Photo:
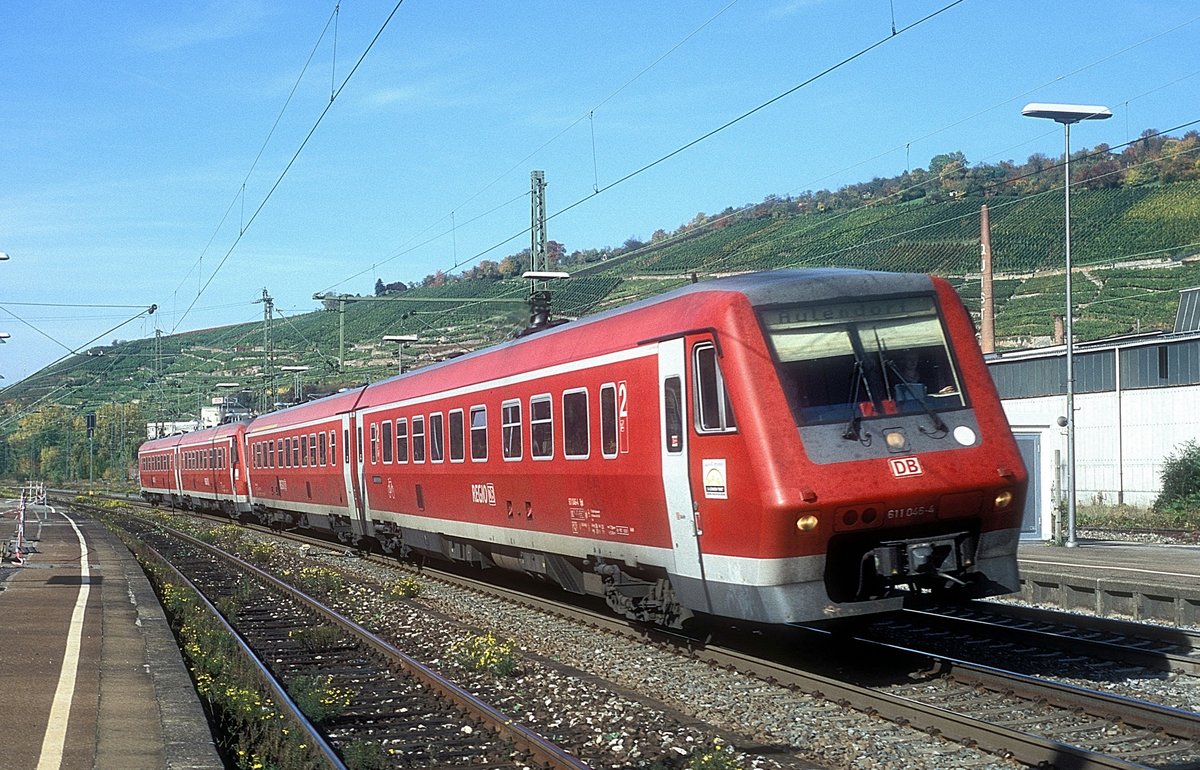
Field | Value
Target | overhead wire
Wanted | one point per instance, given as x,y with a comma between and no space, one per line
596,191
241,193
719,129
600,189
316,124
585,116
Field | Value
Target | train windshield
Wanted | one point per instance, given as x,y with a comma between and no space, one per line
851,360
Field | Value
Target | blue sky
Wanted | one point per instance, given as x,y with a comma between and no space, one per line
130,129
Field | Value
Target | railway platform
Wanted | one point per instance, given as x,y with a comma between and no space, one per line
1118,579
90,674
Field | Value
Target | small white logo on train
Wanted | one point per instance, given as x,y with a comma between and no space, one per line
714,480
905,466
484,494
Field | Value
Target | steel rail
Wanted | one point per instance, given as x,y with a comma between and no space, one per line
1073,641
1033,750
543,751
279,693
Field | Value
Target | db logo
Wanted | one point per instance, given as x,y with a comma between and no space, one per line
905,466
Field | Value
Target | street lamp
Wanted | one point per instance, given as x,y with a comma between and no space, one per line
296,372
1067,114
400,339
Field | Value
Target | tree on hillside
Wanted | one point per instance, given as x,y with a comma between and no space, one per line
1100,169
514,264
1179,158
434,279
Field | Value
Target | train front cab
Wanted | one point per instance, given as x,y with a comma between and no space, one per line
817,475
922,481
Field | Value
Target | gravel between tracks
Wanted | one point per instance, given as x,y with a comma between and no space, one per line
637,701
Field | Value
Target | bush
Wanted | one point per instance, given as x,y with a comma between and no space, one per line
484,653
318,698
1180,479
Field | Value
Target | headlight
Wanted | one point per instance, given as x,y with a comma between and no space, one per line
807,523
1003,500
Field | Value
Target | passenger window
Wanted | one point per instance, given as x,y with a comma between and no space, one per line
510,430
436,438
576,445
714,413
374,443
324,449
402,440
673,414
418,439
312,450
386,438
608,420
479,450
457,448
541,427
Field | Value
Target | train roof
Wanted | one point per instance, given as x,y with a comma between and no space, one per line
760,289
773,287
338,403
644,320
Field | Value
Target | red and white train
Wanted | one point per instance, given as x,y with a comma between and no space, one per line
779,447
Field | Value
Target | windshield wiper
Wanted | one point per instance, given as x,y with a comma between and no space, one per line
916,391
858,377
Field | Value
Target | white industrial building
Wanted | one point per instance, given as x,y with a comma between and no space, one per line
1137,401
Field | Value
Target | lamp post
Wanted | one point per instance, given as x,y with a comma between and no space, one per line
1067,115
400,339
296,372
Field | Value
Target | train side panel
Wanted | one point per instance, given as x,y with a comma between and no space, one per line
558,460
303,464
157,470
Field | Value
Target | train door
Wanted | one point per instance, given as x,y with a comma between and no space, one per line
677,487
360,477
176,475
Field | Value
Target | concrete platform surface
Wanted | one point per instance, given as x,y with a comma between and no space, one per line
90,673
1129,580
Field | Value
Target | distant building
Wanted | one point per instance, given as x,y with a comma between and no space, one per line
223,410
1137,400
170,427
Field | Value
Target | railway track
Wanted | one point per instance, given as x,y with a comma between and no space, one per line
1075,726
1033,721
1085,638
371,691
